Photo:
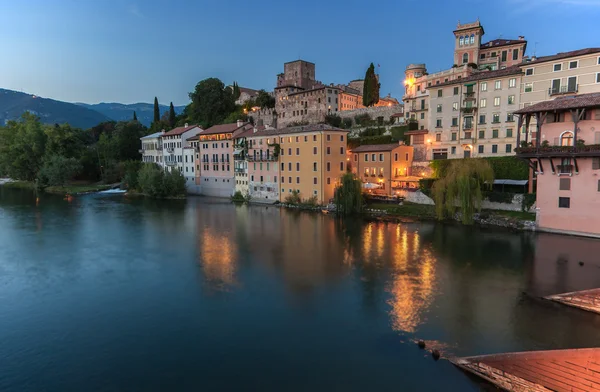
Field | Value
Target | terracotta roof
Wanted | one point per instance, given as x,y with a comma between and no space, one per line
564,103
376,147
191,139
152,136
564,55
179,130
223,128
483,75
248,91
247,131
299,129
417,132
501,42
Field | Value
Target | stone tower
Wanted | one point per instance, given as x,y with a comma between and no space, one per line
467,39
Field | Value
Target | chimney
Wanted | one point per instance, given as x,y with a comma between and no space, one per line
186,125
521,38
239,123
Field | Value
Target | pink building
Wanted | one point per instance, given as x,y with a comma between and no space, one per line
263,167
215,158
566,159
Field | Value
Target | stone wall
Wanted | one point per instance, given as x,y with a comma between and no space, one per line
378,111
419,197
266,115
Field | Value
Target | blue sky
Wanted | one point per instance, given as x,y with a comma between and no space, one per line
129,51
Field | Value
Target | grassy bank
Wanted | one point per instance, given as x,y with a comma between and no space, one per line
71,189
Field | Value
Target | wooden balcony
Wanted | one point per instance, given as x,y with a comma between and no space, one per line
592,150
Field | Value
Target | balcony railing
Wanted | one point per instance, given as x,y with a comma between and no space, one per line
563,90
239,157
470,95
141,151
264,158
170,150
239,170
159,148
170,163
564,169
416,108
468,109
468,126
592,150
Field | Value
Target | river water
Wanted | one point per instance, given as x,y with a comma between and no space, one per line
106,293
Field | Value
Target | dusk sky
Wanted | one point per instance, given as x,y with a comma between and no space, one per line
129,51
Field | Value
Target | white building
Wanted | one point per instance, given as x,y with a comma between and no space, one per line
174,142
152,148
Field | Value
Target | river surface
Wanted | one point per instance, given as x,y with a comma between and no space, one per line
106,293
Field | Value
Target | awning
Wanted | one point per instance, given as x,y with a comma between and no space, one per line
511,182
370,185
469,84
237,151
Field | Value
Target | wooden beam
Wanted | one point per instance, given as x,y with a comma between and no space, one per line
576,165
527,121
540,119
541,166
519,126
552,166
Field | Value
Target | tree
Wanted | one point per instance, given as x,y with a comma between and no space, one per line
156,111
265,100
63,140
348,196
236,91
155,182
172,116
334,120
134,116
22,147
371,87
57,170
462,185
211,103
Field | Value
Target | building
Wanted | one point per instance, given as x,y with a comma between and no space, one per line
473,116
387,101
387,166
566,158
189,166
215,158
246,94
350,99
173,143
152,148
240,164
470,54
263,165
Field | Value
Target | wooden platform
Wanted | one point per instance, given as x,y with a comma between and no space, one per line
535,371
587,299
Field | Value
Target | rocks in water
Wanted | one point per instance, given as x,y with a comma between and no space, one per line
421,344
581,263
435,354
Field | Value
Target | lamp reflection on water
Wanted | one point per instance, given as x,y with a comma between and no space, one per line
218,263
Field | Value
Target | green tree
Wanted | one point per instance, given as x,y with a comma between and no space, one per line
156,111
236,91
57,170
211,103
63,140
334,120
462,185
371,87
265,100
155,182
22,147
348,197
172,116
134,116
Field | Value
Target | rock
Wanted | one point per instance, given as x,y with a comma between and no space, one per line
435,354
421,344
581,263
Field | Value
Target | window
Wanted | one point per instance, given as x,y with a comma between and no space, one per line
453,150
461,41
380,157
510,117
509,132
297,166
315,180
328,150
342,150
465,58
439,93
315,150
482,134
508,148
598,77
328,138
529,72
515,54
495,118
511,99
497,101
297,151
472,38
557,67
512,82
482,119
483,103
328,181
406,157
314,138
494,133
439,107
396,157
373,157
438,137
573,64
482,56
422,116
355,157
455,90
455,106
341,166
455,121
566,139
564,202
366,157
483,86
480,149
438,123
289,166
453,135
498,85
494,148
504,55
596,163
528,87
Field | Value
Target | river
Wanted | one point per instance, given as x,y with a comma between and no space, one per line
106,293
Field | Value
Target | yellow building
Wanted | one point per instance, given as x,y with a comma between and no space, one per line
385,165
312,158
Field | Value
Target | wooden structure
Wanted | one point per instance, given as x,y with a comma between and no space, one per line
587,299
536,371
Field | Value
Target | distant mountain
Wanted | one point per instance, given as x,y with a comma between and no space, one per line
13,104
122,112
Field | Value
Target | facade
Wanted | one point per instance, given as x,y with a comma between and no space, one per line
152,148
387,166
350,100
473,116
240,164
246,94
215,158
173,143
263,166
189,166
387,101
566,158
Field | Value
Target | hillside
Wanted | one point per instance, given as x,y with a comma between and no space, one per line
13,104
123,112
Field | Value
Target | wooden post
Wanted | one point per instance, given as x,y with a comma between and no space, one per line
540,118
527,121
520,124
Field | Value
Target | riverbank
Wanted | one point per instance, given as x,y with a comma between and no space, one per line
69,189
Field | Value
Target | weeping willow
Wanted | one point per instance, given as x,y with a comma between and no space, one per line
462,187
348,195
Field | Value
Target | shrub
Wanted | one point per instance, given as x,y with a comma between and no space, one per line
311,202
413,125
347,122
528,201
372,132
131,169
154,182
238,197
57,170
363,119
425,185
334,120
507,168
380,120
500,197
294,198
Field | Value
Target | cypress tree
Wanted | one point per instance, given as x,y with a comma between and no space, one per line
172,117
371,87
134,116
236,91
156,111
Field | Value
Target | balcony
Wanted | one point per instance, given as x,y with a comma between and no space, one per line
564,169
261,158
468,109
170,163
468,126
592,150
239,157
159,148
239,170
417,108
563,90
141,151
469,95
170,150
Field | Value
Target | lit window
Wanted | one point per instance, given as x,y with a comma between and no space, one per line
483,86
512,82
528,87
497,101
483,103
498,85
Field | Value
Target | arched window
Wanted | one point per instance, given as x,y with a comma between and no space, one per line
566,138
461,41
472,38
465,58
